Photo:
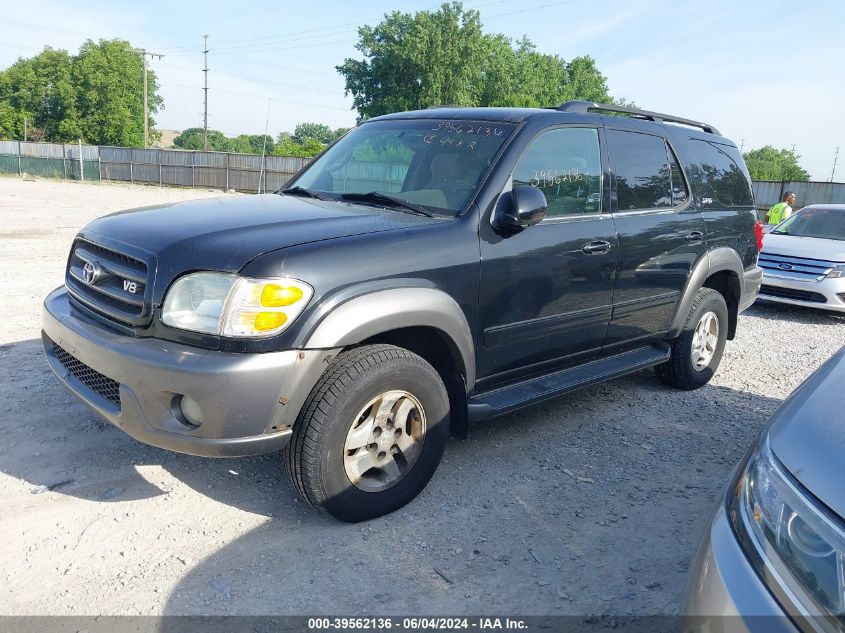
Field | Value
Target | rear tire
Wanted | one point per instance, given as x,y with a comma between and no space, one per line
370,435
698,349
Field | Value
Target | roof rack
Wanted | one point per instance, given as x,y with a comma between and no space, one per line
586,106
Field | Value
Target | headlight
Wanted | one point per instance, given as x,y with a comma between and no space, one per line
229,305
838,271
798,543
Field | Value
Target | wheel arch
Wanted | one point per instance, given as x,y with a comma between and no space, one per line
720,269
425,321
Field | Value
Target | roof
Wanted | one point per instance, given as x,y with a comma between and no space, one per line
580,114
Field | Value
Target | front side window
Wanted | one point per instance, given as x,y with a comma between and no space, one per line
643,175
432,163
565,164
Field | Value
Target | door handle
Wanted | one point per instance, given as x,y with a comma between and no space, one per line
596,248
694,236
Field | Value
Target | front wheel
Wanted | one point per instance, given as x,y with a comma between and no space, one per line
371,434
697,350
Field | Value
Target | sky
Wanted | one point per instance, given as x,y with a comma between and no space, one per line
762,72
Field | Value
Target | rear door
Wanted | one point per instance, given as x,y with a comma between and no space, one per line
661,236
546,291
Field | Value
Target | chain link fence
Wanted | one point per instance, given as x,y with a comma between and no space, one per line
218,170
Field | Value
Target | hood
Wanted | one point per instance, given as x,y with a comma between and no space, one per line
225,233
808,433
811,247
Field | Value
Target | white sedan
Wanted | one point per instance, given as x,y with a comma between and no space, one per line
803,259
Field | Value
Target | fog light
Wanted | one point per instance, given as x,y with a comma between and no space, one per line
191,411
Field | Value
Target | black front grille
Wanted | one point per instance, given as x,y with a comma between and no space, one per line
792,293
109,282
91,378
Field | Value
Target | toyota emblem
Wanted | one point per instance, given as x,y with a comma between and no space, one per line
91,273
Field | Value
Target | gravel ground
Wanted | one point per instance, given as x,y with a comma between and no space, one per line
593,503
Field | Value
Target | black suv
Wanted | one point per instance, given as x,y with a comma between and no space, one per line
429,269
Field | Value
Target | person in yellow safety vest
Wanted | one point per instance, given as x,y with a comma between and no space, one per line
782,210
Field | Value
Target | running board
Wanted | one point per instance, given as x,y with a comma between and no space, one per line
484,406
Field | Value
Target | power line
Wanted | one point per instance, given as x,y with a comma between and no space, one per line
261,97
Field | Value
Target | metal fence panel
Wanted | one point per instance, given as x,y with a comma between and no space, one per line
286,164
177,157
274,180
91,169
89,152
8,164
44,167
149,156
769,192
116,154
209,177
210,159
146,173
42,150
243,180
9,147
245,161
115,171
177,175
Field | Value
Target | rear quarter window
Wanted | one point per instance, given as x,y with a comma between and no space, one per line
719,172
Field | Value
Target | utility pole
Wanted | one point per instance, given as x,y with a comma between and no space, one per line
25,128
144,53
741,144
205,92
835,157
261,174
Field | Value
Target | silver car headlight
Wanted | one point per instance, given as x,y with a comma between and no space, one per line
229,305
799,544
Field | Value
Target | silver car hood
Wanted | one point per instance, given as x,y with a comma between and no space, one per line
807,433
812,247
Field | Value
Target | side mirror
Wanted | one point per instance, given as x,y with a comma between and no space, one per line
527,207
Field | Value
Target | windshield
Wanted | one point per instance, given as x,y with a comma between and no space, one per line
429,163
827,224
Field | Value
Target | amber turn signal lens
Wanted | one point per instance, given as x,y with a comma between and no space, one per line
269,320
276,296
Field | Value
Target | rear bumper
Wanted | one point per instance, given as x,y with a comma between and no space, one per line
828,294
138,383
724,591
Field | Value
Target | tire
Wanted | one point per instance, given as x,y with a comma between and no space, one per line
357,385
686,369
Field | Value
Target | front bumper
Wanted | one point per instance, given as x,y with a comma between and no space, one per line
724,592
827,294
249,401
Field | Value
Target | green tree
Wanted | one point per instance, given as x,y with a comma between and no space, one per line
96,95
192,138
443,57
768,163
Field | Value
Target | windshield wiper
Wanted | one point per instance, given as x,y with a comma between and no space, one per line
302,191
386,200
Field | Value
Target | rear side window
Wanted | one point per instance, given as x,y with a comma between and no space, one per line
722,168
565,164
643,175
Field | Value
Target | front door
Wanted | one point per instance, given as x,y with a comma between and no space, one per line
546,291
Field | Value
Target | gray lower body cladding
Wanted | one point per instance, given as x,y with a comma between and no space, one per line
248,401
